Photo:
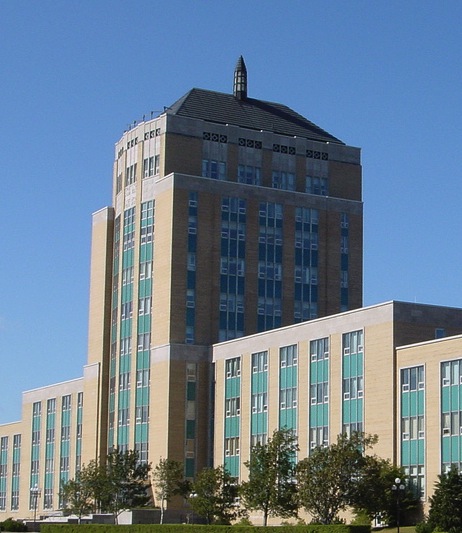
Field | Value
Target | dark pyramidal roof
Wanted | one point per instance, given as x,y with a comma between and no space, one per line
249,113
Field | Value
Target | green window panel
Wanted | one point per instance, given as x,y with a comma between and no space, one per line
288,418
455,449
141,433
405,406
124,364
232,465
405,453
122,436
259,382
259,423
190,429
127,258
15,483
191,390
346,367
233,387
144,324
232,427
48,480
142,360
110,438
454,398
189,467
146,252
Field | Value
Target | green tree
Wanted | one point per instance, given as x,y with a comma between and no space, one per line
374,495
125,481
168,480
330,479
119,482
271,486
213,496
77,494
446,503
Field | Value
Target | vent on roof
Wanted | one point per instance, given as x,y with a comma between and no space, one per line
240,80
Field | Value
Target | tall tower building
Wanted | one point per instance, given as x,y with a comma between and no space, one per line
230,216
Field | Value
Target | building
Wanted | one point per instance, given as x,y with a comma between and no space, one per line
230,216
384,370
235,222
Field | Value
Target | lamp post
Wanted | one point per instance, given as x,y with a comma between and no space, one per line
34,493
193,496
398,488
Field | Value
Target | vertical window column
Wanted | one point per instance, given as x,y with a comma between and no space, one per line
288,379
412,389
270,247
49,454
306,264
65,452
16,472
259,399
232,415
451,414
114,333
344,251
352,387
232,268
319,393
125,333
143,354
3,471
190,335
35,451
190,420
78,436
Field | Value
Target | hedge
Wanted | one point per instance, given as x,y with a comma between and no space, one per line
195,528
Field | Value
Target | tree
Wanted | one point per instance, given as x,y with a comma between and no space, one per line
213,496
77,495
271,485
374,495
446,503
119,482
126,481
168,480
330,479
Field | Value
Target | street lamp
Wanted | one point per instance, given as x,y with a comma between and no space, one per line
398,488
34,494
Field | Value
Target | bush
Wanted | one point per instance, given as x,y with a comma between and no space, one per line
423,527
10,524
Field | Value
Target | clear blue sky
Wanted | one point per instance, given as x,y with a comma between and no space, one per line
382,75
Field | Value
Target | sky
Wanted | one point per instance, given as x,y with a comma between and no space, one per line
385,76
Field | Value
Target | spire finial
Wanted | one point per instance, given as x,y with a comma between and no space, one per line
240,80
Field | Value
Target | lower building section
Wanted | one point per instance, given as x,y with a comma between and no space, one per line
393,369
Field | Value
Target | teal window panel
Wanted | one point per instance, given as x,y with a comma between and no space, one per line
259,423
346,412
405,453
144,324
141,433
421,402
146,251
78,447
48,480
405,405
421,452
15,483
190,429
49,449
111,438
455,446
122,436
347,366
191,390
413,452
232,465
446,449
124,363
145,287
232,387
142,360
288,418
259,382
189,467
353,365
454,398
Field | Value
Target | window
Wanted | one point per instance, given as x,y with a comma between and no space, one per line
259,362
249,174
288,356
130,175
283,180
316,185
214,169
233,367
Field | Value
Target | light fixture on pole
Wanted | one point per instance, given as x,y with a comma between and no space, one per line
34,495
398,488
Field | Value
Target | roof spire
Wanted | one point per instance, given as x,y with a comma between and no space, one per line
240,80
